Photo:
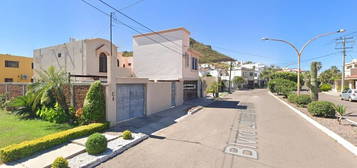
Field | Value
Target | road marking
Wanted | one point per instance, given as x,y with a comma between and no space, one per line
245,141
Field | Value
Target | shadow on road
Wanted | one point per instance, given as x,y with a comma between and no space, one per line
160,120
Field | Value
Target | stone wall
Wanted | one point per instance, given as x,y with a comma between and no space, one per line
75,94
13,89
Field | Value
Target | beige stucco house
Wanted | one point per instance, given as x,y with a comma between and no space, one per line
80,58
153,80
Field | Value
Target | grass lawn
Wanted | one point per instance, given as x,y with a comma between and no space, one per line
15,130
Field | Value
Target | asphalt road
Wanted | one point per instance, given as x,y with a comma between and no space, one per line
246,129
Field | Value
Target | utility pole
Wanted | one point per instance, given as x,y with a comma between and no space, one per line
230,76
111,34
343,41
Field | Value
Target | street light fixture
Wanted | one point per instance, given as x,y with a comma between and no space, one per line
299,52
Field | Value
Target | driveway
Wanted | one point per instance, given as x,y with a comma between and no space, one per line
246,129
351,106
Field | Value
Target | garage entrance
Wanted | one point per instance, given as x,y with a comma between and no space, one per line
189,90
130,101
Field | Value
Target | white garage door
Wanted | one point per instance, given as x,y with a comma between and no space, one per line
130,101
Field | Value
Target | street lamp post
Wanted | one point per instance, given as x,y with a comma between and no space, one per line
299,52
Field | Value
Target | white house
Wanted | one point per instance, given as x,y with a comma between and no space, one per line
166,56
246,73
258,68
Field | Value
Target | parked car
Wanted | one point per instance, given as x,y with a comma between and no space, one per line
350,95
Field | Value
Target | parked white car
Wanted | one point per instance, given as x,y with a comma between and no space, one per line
350,95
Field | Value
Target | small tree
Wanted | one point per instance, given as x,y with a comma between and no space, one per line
238,80
214,89
315,67
94,104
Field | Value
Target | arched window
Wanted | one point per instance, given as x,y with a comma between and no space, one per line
102,62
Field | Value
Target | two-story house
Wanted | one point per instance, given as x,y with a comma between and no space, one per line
350,75
167,56
83,59
15,68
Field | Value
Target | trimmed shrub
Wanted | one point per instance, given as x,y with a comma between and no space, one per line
285,75
60,162
322,109
28,148
303,100
96,143
292,98
325,87
127,135
284,87
94,104
271,85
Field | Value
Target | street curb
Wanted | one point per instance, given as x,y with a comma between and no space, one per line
325,130
100,160
195,110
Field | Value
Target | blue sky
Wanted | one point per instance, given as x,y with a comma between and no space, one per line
233,27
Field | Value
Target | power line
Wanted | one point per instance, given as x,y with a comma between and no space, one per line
131,5
130,27
132,19
244,53
310,59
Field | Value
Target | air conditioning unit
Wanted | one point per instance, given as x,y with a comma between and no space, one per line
23,76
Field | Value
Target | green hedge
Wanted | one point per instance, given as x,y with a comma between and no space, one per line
322,109
28,148
282,86
325,87
94,104
292,98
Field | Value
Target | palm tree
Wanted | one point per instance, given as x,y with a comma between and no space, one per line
50,87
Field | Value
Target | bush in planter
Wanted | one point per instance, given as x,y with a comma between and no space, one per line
284,87
303,100
96,143
322,109
325,87
271,85
60,162
94,104
127,135
292,98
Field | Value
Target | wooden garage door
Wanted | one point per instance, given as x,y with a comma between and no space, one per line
130,101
